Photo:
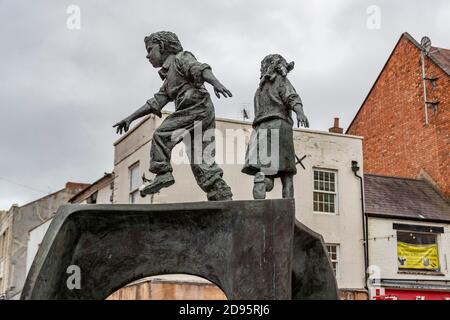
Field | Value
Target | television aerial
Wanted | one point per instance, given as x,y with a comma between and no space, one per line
245,111
425,45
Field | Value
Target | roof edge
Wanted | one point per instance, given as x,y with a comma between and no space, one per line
418,179
404,34
395,217
392,177
43,197
105,176
430,56
418,46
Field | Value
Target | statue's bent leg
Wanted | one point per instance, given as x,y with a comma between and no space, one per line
163,141
206,171
209,178
288,186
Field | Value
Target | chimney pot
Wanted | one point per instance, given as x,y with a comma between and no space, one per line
336,122
336,128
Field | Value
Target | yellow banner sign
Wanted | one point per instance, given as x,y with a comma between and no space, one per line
417,256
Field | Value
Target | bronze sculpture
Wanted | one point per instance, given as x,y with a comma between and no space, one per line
250,249
183,84
274,101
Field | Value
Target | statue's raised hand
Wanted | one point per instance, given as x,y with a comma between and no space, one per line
123,125
302,120
220,89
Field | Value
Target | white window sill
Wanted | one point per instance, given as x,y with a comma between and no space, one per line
326,213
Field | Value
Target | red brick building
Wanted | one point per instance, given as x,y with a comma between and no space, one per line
398,141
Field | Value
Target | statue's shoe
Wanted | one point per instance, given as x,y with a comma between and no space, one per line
161,181
269,184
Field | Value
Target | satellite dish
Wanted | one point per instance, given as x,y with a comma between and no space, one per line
426,44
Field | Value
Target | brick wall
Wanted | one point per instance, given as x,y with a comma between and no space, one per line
397,142
168,290
171,290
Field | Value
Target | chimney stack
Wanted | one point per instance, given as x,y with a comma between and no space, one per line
335,128
76,186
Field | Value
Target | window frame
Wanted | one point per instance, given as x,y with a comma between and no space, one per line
337,260
132,193
4,244
335,193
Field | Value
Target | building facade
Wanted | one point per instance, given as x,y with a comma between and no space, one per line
101,191
402,137
14,227
327,193
5,244
409,239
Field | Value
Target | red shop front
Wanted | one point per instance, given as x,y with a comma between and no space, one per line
398,294
410,289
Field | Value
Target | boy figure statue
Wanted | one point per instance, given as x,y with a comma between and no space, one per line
274,101
184,79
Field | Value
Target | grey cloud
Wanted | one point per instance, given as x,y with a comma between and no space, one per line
62,90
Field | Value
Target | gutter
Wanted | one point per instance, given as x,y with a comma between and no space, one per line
406,218
365,227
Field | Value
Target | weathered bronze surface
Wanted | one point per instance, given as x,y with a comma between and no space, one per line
271,147
183,83
247,248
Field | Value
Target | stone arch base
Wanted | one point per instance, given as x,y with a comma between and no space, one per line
249,249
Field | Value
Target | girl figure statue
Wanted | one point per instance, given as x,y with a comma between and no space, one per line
270,153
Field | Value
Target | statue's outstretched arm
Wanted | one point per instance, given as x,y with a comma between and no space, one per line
152,106
219,88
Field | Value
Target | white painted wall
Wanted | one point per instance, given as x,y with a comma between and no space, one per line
383,251
37,234
104,194
323,149
34,241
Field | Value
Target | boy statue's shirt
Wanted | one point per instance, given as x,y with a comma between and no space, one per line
274,99
180,72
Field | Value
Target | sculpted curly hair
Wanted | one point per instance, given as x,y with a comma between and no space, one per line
168,41
274,64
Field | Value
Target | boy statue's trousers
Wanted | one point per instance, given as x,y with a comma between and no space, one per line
189,125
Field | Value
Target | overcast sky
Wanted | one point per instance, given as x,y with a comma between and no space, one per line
61,89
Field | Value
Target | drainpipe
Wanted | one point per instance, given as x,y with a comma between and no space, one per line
355,169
